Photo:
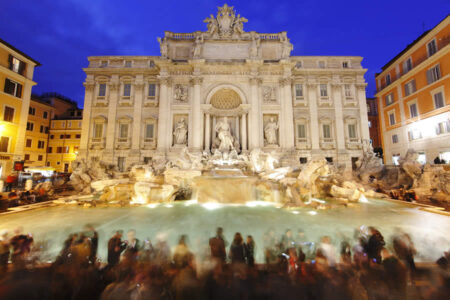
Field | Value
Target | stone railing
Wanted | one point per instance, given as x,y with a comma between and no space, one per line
97,143
269,36
180,36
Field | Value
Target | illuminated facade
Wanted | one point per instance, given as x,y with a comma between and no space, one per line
16,81
413,94
302,107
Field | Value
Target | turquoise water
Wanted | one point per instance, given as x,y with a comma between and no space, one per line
430,232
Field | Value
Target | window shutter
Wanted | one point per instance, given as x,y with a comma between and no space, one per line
10,59
22,67
7,86
413,86
19,91
429,76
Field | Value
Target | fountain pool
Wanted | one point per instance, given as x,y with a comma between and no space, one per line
199,221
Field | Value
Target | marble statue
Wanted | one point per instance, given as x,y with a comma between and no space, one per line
164,48
287,46
310,173
268,93
224,134
180,133
197,50
212,25
239,24
270,132
226,23
180,93
254,46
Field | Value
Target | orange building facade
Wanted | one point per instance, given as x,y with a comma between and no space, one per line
413,96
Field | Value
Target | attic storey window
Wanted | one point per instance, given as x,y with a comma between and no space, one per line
16,65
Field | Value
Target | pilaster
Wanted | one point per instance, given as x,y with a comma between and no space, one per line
255,115
313,113
339,118
114,88
197,116
163,112
86,122
136,135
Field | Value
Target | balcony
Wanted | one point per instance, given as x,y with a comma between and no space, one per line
327,143
303,144
123,143
353,144
150,101
325,101
149,143
97,143
126,101
300,102
101,101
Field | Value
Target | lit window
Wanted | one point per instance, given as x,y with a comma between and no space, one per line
422,158
15,64
370,124
432,47
443,127
323,90
298,90
395,159
389,99
410,87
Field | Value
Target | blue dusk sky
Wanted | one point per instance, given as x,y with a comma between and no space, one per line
61,34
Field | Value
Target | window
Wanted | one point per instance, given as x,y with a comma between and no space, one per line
30,126
78,136
323,90
102,90
126,90
41,144
59,149
443,127
414,134
432,47
345,64
352,131
52,136
433,74
13,88
348,90
326,131
103,64
98,130
369,123
63,124
301,131
391,118
45,114
322,64
413,110
49,149
410,87
40,157
28,143
27,157
8,114
388,79
75,149
32,111
69,124
438,100
152,90
329,159
389,99
394,139
303,160
395,159
422,158
149,134
67,136
46,129
4,142
41,129
128,64
298,90
123,130
147,160
61,136
16,65
407,65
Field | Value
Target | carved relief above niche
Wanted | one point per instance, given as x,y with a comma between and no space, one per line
269,93
180,93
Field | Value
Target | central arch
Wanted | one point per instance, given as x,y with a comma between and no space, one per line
228,89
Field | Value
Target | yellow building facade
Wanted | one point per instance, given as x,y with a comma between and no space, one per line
16,81
64,141
413,94
37,133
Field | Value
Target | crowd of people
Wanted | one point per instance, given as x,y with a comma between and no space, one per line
294,268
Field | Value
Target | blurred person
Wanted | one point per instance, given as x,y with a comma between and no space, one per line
66,251
162,250
92,237
217,245
404,249
181,253
21,246
147,253
346,252
115,248
237,250
374,245
132,246
328,251
4,252
287,241
394,274
249,247
270,247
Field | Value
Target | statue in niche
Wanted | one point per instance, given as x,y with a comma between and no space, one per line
164,47
180,133
270,132
180,93
254,46
197,50
224,134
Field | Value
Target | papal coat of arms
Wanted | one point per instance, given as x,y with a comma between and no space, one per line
226,23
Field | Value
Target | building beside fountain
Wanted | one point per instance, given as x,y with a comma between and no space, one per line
224,89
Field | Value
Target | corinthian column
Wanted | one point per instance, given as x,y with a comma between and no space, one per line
207,131
361,94
255,115
197,116
114,88
244,131
315,130
86,123
137,115
163,114
339,117
287,114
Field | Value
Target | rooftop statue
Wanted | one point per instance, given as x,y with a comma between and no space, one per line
226,23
